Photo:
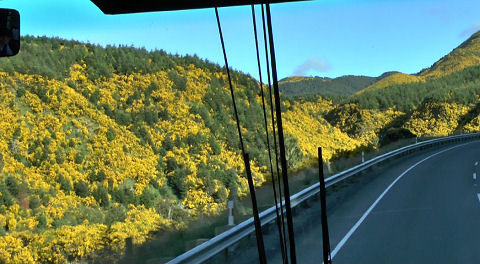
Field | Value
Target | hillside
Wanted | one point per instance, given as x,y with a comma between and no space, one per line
306,123
439,101
464,56
100,144
394,79
458,87
361,124
341,86
436,119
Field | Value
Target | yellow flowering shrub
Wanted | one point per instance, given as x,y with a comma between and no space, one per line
312,131
436,119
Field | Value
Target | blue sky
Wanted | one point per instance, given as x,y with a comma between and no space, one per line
327,38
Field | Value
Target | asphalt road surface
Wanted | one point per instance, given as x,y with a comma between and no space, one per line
423,208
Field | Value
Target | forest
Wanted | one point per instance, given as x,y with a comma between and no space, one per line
99,144
342,86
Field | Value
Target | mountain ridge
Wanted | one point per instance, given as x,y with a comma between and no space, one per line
467,54
339,86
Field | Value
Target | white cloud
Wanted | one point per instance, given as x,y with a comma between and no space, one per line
469,31
312,64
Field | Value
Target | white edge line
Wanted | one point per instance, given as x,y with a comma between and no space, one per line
360,221
478,195
474,176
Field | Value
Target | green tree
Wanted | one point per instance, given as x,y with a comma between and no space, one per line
65,183
6,198
293,153
12,185
115,214
81,189
101,195
149,196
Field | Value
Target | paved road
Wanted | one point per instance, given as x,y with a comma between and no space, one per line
430,215
424,208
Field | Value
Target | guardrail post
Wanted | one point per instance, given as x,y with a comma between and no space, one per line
329,169
230,213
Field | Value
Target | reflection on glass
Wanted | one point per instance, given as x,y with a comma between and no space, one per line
9,32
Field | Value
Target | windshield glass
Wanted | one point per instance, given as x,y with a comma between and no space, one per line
119,139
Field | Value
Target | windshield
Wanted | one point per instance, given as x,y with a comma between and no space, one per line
119,138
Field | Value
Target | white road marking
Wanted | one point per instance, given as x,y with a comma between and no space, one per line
476,163
474,176
360,221
478,195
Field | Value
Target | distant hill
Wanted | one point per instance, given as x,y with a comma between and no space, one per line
397,78
458,87
340,86
438,101
464,56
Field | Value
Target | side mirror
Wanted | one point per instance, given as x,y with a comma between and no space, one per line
9,32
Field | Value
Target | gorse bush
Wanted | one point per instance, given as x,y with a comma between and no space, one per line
100,144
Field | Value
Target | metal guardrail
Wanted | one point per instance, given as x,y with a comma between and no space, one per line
217,244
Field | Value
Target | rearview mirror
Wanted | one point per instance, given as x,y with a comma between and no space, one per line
9,32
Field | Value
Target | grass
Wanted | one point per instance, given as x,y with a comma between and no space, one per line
344,163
